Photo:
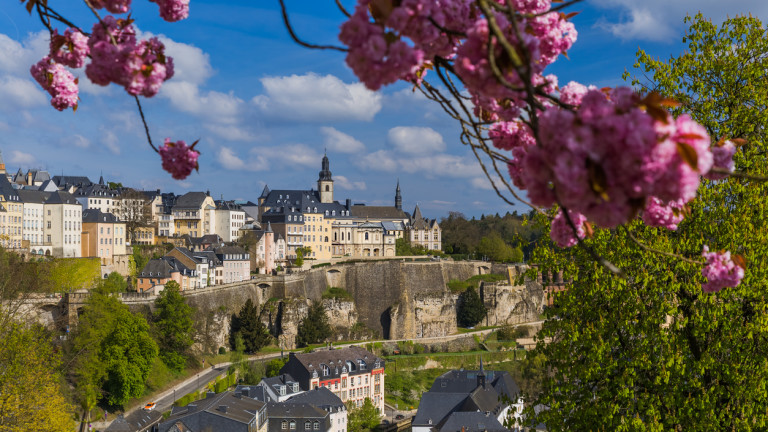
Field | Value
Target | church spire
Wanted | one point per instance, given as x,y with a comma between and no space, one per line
398,198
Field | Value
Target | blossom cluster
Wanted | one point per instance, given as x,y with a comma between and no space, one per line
57,81
116,57
720,270
178,158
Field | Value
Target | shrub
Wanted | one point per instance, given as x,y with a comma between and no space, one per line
222,350
335,293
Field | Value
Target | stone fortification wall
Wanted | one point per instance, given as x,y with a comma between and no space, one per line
391,299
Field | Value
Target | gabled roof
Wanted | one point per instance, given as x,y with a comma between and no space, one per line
7,190
321,397
264,192
229,250
378,212
61,197
190,200
472,422
210,256
417,220
78,181
437,406
97,216
227,205
139,420
33,196
207,414
335,359
96,190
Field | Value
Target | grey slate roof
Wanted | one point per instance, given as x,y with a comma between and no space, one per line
227,205
138,421
221,412
378,212
61,197
321,397
471,422
210,256
298,412
285,202
460,391
33,196
97,216
7,190
252,391
190,200
78,181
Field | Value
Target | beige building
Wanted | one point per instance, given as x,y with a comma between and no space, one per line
63,225
11,212
34,221
103,236
193,214
424,232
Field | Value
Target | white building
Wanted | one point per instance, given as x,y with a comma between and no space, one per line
63,224
229,218
34,220
236,263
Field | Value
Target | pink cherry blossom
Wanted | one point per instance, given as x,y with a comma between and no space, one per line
720,270
574,92
722,155
173,10
113,6
107,59
656,214
69,49
561,231
57,81
145,68
178,158
375,59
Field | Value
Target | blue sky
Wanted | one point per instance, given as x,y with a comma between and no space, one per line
265,109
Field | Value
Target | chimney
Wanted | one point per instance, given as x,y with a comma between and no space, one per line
191,408
209,394
349,203
223,408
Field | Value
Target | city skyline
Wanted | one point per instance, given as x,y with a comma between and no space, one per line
266,109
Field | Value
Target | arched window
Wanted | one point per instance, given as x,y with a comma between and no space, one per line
366,236
327,188
326,213
315,210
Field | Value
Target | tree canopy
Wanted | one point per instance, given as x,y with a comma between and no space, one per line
173,326
112,353
314,328
651,350
471,309
30,387
248,325
364,418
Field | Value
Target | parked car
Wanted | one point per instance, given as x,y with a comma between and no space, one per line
399,417
150,406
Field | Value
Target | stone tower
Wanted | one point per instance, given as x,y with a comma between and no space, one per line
269,253
398,198
325,182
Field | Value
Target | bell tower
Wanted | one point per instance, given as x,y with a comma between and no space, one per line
325,182
398,198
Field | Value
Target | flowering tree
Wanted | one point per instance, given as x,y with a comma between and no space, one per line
665,348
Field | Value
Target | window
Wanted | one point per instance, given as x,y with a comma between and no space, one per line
307,425
316,426
284,425
293,425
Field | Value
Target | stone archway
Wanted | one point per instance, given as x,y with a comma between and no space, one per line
483,270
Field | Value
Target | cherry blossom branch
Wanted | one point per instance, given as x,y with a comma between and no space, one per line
342,9
595,256
146,127
296,38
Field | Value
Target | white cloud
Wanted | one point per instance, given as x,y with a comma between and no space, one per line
416,140
20,93
344,183
312,97
662,20
381,160
17,57
437,165
229,160
190,63
80,141
230,132
340,142
481,183
212,105
22,158
111,141
291,154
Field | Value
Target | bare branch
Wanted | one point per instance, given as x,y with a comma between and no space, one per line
296,38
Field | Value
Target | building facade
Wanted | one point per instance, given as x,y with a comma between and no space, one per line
351,373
